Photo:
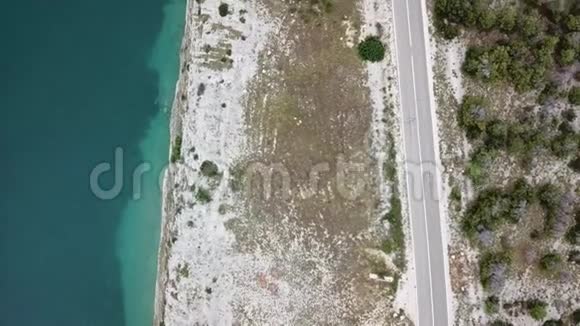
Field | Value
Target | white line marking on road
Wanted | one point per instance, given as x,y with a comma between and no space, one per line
423,192
405,155
421,166
438,177
409,24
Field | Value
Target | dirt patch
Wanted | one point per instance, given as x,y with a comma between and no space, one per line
309,117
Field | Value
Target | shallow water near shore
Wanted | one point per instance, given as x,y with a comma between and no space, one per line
77,80
139,234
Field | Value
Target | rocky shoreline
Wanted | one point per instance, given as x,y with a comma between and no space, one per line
223,259
168,206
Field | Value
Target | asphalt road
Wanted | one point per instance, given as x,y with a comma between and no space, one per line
421,168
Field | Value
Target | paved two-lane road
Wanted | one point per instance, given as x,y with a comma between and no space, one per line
418,133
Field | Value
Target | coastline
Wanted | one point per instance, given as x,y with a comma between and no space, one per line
202,275
167,205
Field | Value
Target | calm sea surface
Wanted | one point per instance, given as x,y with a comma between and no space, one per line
79,79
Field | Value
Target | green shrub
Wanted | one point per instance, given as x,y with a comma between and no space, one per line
575,164
457,12
492,305
553,322
497,134
396,240
567,56
507,19
550,262
455,194
530,24
203,195
569,115
537,309
576,316
549,196
448,31
209,169
493,270
487,19
224,9
371,49
176,149
473,115
564,144
573,235
488,64
550,90
572,23
480,162
494,206
500,323
574,95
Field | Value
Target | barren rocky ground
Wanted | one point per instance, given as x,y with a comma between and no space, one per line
276,202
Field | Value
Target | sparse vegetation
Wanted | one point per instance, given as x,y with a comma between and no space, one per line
529,47
573,234
237,178
491,305
311,10
525,58
371,49
224,9
176,149
574,95
455,194
537,309
183,270
500,323
395,243
209,169
576,316
494,207
493,270
203,196
550,262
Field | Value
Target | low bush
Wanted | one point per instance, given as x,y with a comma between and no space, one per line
371,49
553,322
494,207
537,309
576,316
492,305
550,262
209,169
473,115
574,257
493,270
574,95
224,9
396,241
203,195
176,149
500,323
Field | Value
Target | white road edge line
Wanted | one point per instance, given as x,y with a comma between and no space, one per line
423,193
422,173
404,154
438,176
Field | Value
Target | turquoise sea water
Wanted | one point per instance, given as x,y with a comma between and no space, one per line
77,80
